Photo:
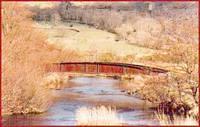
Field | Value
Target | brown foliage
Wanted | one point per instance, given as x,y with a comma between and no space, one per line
173,94
24,54
180,90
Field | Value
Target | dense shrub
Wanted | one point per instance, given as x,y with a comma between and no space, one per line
172,94
24,54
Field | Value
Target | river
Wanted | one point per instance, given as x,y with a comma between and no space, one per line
88,92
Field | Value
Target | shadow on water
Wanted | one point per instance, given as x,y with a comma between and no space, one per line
87,92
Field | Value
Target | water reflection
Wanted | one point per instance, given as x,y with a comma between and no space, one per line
87,92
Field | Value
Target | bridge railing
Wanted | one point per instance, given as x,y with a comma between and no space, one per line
104,68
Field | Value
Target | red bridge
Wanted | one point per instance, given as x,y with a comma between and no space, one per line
104,68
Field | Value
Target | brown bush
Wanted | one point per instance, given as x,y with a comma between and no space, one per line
172,94
182,81
24,54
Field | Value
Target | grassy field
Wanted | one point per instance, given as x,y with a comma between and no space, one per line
90,40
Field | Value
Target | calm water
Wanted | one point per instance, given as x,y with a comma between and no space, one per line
88,92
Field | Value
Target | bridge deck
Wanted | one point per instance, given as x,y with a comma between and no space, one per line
104,67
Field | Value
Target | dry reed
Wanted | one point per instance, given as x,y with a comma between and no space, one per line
97,116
